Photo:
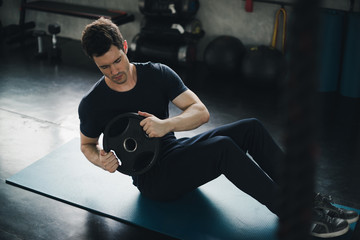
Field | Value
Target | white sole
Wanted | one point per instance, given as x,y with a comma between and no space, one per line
353,220
330,235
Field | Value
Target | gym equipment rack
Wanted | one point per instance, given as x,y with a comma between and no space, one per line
117,16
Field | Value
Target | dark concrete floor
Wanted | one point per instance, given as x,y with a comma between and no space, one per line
38,113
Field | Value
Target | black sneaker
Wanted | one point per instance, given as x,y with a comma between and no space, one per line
325,203
324,226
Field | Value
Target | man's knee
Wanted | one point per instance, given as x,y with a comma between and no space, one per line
255,122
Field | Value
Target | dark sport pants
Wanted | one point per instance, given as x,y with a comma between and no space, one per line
222,150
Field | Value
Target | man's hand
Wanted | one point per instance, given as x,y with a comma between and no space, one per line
153,126
108,161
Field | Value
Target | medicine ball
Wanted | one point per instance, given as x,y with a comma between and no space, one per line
224,54
263,66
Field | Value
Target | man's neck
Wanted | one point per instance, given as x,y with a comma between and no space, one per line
126,86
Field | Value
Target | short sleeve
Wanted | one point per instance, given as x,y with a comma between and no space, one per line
87,125
173,84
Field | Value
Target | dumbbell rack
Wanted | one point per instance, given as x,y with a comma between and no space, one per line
117,16
169,32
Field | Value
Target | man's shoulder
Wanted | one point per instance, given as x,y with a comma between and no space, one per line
92,96
144,66
96,88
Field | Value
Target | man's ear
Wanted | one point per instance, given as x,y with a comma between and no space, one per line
125,46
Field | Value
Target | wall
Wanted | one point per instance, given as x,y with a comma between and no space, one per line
218,18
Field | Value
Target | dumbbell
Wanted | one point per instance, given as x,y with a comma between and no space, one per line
39,34
55,52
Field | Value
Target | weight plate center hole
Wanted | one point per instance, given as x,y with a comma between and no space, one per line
130,145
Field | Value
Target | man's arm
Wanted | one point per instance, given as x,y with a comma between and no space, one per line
92,151
193,116
194,112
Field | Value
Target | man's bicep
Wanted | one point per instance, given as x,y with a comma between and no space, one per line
186,99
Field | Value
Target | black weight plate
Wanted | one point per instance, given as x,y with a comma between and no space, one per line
135,150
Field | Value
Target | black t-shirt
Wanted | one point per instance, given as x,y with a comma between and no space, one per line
156,86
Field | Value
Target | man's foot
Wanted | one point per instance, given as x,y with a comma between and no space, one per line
324,226
325,203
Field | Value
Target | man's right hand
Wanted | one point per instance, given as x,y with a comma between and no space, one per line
108,161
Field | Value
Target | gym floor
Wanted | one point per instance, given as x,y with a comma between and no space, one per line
38,113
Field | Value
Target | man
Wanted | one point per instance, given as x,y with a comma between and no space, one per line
184,164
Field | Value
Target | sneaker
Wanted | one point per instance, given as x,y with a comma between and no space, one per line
325,203
324,226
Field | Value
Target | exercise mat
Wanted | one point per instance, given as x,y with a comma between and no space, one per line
217,210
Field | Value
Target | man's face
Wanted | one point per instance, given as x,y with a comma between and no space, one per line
114,64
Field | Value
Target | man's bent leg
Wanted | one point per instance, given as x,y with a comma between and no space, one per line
252,137
187,168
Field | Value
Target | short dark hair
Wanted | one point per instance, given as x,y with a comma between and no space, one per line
98,37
